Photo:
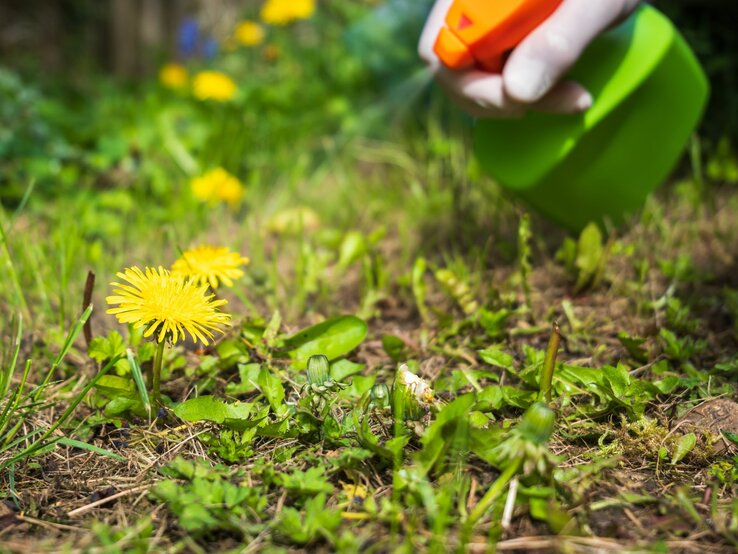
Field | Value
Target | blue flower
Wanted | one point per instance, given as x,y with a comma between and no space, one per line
188,37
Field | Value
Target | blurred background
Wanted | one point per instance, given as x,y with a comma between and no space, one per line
75,76
132,128
130,38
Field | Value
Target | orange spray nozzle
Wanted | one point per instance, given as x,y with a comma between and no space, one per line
481,33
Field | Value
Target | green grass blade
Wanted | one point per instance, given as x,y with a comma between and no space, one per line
23,202
91,448
42,441
12,404
20,297
68,342
138,377
19,440
7,372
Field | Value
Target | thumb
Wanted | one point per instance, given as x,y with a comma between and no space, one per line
548,52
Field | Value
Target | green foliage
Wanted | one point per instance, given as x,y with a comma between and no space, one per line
333,338
210,499
306,483
394,229
232,445
106,348
209,408
314,522
21,402
525,253
683,446
31,148
723,163
135,538
272,389
585,258
458,290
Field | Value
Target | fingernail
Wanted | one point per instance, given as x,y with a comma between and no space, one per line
528,81
584,102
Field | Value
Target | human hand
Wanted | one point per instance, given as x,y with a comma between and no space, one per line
531,78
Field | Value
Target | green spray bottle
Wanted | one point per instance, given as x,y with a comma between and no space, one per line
648,92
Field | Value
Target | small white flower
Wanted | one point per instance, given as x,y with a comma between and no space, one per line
419,387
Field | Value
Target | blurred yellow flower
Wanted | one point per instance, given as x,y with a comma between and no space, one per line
213,85
210,265
166,304
249,33
217,185
294,221
282,12
173,75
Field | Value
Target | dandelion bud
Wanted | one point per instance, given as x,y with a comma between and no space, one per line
318,370
537,424
379,396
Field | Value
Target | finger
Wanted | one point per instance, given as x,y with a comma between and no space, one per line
565,97
481,93
547,53
433,24
484,112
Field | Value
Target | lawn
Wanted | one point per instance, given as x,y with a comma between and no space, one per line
359,342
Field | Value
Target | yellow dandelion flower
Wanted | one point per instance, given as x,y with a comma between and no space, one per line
166,304
282,12
217,185
303,9
354,491
213,85
210,265
173,75
249,33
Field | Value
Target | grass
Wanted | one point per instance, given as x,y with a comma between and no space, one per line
446,275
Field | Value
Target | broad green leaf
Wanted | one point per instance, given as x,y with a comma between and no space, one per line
271,331
732,437
489,398
683,447
271,387
112,384
589,255
497,358
495,397
450,427
333,338
618,378
634,346
122,404
352,248
340,369
248,375
209,408
394,346
359,385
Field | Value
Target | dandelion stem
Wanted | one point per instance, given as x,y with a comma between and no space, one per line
493,492
549,364
156,374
